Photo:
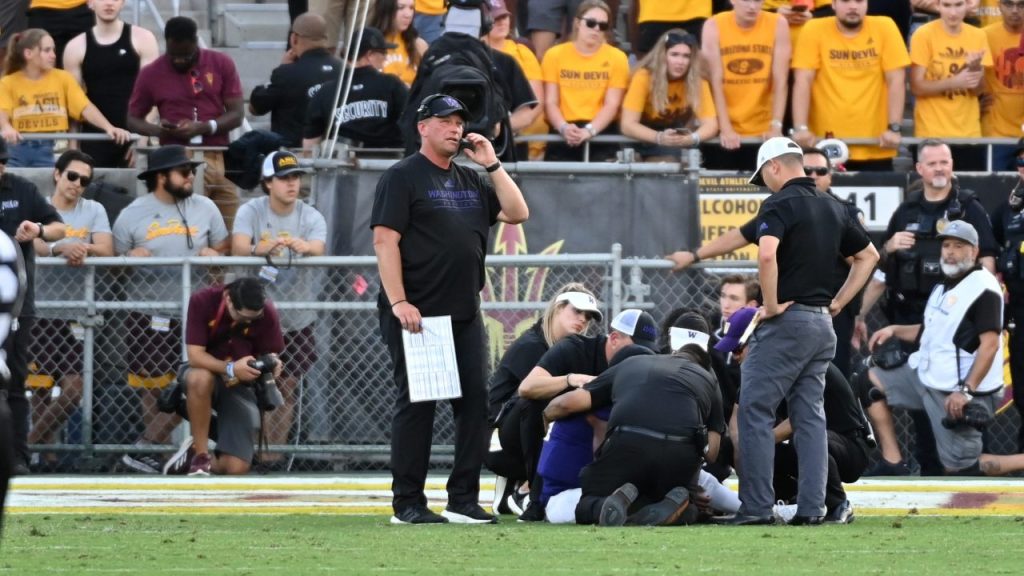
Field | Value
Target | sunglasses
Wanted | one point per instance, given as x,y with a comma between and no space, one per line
76,177
816,170
197,84
676,38
1020,162
185,171
602,25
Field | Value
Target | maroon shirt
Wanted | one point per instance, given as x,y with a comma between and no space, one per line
204,89
210,322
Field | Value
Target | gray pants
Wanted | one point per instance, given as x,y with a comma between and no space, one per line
787,359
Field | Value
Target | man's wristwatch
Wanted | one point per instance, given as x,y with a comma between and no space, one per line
965,391
894,127
590,128
41,231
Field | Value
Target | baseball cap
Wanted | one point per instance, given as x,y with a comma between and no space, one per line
770,150
498,9
583,302
961,231
439,106
281,163
736,329
373,39
679,337
639,325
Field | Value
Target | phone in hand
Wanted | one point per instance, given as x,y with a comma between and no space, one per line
798,8
464,144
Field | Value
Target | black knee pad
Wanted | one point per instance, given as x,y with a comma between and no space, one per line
972,470
862,387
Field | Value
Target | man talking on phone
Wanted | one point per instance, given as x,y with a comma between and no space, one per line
430,223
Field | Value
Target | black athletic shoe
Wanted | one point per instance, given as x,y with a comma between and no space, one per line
418,515
663,513
468,514
885,468
800,520
744,520
842,514
533,513
615,509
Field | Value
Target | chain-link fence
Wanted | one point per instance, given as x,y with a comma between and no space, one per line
109,337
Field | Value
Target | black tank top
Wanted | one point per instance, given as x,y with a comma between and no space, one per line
109,72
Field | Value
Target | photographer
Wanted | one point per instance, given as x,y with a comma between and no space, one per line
1008,227
228,328
954,376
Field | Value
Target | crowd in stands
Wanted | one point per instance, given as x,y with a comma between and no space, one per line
740,71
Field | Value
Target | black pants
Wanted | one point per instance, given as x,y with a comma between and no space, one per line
6,455
654,466
843,324
1017,367
62,25
521,432
847,460
17,345
413,423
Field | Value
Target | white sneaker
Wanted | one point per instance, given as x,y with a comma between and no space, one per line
518,502
783,512
500,482
182,459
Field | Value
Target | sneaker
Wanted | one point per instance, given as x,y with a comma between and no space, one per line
663,513
518,502
615,509
885,468
201,465
799,520
468,514
842,514
182,459
418,515
142,463
500,487
783,512
533,513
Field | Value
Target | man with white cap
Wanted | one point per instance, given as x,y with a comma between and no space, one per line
800,233
954,376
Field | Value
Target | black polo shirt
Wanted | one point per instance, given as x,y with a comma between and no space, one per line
19,201
444,217
287,95
812,230
577,355
667,394
371,114
520,358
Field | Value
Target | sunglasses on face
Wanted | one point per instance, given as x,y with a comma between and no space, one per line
602,25
76,177
1020,162
815,170
185,171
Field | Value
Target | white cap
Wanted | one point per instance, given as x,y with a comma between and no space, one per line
581,301
770,150
679,337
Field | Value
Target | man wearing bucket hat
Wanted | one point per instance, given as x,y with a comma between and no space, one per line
800,233
954,376
430,220
169,221
281,224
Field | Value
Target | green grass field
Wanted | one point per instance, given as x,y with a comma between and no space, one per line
310,544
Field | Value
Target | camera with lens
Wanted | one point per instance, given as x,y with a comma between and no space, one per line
268,396
974,416
890,354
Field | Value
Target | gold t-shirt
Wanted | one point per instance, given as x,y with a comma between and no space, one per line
747,70
582,80
672,10
42,105
397,61
679,109
1005,82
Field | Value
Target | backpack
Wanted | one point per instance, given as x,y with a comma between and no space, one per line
113,197
243,160
461,66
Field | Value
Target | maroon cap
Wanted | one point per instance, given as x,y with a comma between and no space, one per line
498,9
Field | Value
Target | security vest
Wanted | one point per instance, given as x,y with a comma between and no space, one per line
912,274
1011,259
936,360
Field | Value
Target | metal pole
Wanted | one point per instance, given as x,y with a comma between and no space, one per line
616,278
88,365
348,72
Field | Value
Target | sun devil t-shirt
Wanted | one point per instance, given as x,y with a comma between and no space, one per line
444,217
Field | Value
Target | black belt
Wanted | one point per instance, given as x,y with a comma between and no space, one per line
806,308
653,434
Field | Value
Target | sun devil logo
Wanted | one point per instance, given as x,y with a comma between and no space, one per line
513,284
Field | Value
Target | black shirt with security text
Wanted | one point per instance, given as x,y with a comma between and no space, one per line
369,117
444,217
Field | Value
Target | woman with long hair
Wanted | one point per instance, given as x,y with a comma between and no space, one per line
394,19
584,81
668,106
36,97
573,310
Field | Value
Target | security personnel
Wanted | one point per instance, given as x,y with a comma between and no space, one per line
912,249
666,411
912,265
1008,228
800,233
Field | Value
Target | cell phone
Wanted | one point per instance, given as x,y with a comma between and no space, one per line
798,8
465,144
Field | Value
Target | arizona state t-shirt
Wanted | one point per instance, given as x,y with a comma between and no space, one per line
582,80
1005,82
954,113
747,70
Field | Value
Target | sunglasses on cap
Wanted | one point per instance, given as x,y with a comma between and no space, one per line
816,170
76,177
677,38
602,25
